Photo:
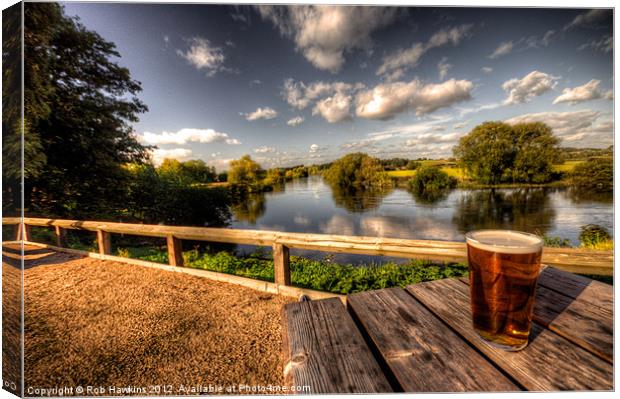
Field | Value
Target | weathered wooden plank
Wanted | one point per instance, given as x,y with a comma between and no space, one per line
60,234
281,262
550,362
573,259
175,251
104,242
423,354
324,350
588,326
578,287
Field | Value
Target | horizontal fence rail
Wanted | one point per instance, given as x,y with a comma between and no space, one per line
576,260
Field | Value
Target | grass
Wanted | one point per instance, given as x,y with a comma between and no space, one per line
321,275
566,167
450,170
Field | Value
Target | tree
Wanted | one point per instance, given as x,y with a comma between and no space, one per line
496,152
357,170
431,178
186,173
244,171
596,174
274,176
487,152
79,107
536,151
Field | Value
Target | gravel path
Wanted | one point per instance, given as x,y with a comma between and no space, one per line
101,323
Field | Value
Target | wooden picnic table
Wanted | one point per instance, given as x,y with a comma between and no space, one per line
420,339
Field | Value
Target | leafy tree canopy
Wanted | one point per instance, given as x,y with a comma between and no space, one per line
496,152
79,107
357,170
244,171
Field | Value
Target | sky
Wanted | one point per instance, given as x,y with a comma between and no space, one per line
307,84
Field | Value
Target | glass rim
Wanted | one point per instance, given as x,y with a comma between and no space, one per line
537,244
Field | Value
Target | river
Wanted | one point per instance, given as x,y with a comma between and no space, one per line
309,205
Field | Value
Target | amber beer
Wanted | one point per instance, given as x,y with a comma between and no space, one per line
503,270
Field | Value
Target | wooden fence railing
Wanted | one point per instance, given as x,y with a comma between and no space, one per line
574,260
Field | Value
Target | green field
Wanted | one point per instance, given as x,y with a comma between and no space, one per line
451,169
567,166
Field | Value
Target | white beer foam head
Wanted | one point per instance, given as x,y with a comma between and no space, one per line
504,241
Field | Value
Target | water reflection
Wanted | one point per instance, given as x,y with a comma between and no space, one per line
359,200
430,197
249,209
526,209
311,206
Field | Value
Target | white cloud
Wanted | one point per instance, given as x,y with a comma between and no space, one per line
588,18
433,138
444,68
584,128
296,121
386,100
323,33
334,109
401,60
261,113
531,85
255,82
460,125
187,135
264,150
315,148
160,154
300,95
202,55
486,70
605,45
579,94
503,49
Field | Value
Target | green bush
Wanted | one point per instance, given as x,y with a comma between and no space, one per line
321,275
596,174
431,179
357,170
595,237
558,242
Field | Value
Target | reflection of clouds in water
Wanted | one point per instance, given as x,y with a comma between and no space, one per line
275,227
427,228
571,216
338,224
301,220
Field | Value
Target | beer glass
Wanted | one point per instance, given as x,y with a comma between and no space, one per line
503,270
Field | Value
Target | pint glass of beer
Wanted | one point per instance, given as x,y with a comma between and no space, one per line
503,269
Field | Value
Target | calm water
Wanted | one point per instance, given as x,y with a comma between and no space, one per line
310,206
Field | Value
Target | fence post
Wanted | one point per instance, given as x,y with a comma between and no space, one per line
175,251
60,236
23,232
104,240
281,263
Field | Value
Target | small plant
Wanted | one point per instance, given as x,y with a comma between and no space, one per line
595,237
556,241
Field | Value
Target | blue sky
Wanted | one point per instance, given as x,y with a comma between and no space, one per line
307,84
